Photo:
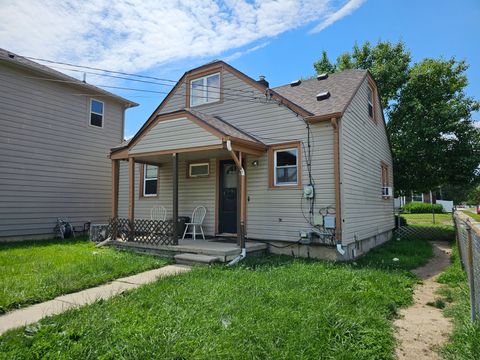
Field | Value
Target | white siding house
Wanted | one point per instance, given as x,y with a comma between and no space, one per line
53,156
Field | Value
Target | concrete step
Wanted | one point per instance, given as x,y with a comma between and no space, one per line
195,259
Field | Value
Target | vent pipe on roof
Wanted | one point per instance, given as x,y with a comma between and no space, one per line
11,56
296,82
261,80
322,76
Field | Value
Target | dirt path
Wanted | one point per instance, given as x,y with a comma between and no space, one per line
421,327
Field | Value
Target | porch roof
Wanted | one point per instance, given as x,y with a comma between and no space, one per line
186,131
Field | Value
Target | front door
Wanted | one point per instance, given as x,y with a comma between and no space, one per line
227,209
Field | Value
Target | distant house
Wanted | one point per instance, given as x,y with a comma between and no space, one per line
56,132
305,167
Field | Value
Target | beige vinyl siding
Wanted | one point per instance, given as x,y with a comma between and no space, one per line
191,193
363,146
272,214
52,163
174,134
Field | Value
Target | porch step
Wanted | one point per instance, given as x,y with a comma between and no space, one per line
195,259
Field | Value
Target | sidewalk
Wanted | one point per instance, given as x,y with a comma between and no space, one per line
34,313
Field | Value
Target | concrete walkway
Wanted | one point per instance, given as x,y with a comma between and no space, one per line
34,313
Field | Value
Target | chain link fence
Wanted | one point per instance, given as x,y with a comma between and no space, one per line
467,234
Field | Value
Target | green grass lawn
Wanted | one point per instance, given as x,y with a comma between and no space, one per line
32,272
465,341
426,219
472,214
273,307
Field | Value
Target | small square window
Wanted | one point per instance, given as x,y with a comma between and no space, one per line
205,90
96,113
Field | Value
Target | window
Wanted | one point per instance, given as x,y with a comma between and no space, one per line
96,113
417,197
370,102
198,169
286,167
386,189
205,90
150,181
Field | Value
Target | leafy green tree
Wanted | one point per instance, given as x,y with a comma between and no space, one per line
388,63
433,137
324,65
474,196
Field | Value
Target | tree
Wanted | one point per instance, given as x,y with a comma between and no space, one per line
388,63
474,196
432,135
324,65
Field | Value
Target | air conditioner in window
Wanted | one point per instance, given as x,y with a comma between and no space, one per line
387,191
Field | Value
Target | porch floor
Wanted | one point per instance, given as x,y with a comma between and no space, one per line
223,249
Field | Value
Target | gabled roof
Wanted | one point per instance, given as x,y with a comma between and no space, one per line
12,58
342,86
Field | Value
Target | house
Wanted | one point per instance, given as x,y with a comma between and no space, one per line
305,167
56,133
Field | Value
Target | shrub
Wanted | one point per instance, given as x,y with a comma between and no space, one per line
415,207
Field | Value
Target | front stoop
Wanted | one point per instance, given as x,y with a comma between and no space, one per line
196,259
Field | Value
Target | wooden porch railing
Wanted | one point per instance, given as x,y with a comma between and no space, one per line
145,231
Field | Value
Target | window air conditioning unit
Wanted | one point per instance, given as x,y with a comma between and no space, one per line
387,191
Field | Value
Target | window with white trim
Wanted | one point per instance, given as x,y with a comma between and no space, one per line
371,111
96,113
286,167
150,180
417,197
205,89
198,169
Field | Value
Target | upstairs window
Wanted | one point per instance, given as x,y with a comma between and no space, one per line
371,111
96,113
205,90
286,167
150,181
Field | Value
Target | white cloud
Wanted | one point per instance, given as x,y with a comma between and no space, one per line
136,35
334,16
238,54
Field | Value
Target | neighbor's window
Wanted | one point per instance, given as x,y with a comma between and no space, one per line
286,167
205,89
370,101
198,169
417,197
96,113
150,180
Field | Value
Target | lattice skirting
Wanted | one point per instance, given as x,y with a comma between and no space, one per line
152,232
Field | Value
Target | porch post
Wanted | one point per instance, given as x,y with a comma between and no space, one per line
240,203
131,189
175,196
115,177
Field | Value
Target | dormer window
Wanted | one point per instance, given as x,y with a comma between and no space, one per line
205,89
371,111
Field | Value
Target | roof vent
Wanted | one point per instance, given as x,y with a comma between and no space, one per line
261,80
322,76
323,95
11,56
296,83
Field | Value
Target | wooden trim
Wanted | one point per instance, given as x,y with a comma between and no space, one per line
181,150
323,118
141,184
120,154
336,173
371,84
199,74
115,186
198,161
131,188
271,164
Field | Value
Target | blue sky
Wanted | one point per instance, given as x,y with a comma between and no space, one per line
429,28
277,38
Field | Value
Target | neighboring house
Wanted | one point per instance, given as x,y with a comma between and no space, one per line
55,134
315,156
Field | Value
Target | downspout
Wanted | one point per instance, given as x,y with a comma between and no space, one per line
336,171
243,252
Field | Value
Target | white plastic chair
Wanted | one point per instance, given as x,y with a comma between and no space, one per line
158,213
198,216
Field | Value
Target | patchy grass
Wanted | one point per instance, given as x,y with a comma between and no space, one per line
427,219
273,307
35,271
465,340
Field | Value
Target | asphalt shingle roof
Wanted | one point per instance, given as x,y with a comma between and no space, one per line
342,86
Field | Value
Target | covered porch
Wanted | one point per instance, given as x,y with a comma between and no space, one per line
174,151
